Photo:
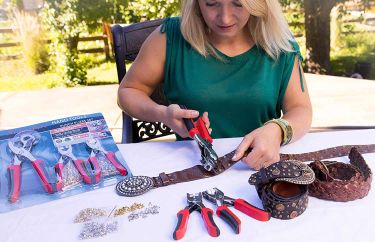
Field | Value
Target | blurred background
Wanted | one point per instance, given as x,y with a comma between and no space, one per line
51,45
56,43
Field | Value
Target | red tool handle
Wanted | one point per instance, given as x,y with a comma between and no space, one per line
95,169
252,211
229,217
202,129
81,167
207,215
189,123
180,230
43,175
58,169
14,182
112,158
198,127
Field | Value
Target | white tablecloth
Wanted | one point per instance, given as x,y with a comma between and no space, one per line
323,221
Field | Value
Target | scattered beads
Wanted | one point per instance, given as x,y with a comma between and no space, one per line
88,214
98,229
126,209
151,209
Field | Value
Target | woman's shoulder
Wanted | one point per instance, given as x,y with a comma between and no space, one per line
170,23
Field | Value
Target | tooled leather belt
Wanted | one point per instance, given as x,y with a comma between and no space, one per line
138,185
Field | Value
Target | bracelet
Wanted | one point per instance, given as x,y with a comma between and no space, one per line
286,128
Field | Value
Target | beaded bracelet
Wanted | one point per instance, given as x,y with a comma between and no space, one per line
286,129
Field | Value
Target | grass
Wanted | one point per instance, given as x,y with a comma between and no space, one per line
15,77
353,48
105,73
5,24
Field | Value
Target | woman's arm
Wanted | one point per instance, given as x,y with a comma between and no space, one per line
296,106
146,72
266,140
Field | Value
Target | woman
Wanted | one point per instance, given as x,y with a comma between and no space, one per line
235,59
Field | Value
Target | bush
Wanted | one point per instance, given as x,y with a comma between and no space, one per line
32,37
353,48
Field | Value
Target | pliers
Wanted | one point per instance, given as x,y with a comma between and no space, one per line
22,151
198,131
195,204
90,171
97,149
218,198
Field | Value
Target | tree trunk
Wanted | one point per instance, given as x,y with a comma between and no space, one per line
317,26
72,42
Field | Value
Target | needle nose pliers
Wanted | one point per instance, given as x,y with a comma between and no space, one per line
195,204
222,202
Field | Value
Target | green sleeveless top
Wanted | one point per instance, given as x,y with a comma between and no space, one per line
240,93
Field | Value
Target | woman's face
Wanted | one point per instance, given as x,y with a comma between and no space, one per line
225,18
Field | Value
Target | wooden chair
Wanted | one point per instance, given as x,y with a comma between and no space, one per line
127,41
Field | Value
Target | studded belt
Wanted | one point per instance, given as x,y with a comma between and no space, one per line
138,185
282,187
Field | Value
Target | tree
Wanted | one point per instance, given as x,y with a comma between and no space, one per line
67,19
140,10
317,28
318,32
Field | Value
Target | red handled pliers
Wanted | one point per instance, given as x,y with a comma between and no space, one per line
22,151
195,204
97,149
218,198
198,131
90,170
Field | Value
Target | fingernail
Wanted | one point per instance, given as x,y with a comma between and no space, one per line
234,157
195,113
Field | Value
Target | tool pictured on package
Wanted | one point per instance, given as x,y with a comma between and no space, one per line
222,202
21,146
97,149
195,204
89,170
198,131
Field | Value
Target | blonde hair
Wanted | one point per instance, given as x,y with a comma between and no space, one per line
267,26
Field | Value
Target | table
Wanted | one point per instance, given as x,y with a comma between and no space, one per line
323,221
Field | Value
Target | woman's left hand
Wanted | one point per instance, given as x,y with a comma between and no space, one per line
265,143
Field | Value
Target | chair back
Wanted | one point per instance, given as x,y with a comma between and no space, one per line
127,41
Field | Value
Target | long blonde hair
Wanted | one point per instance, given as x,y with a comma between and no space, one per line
267,26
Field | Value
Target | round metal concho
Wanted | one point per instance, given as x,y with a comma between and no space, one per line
134,186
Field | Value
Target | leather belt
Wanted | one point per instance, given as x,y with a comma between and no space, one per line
282,187
138,185
339,181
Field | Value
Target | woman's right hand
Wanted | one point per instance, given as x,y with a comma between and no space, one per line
174,115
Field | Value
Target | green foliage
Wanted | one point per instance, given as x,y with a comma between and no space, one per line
75,69
13,77
353,48
95,12
140,10
62,18
294,14
67,19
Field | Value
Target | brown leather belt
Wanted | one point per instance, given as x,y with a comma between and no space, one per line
339,181
138,185
282,187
